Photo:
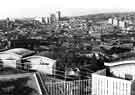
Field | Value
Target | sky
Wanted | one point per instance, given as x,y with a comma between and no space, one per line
39,8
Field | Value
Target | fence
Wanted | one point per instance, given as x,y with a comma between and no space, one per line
61,87
103,85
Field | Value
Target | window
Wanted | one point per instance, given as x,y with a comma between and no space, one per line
42,63
128,77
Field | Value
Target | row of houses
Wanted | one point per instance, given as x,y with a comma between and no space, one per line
26,59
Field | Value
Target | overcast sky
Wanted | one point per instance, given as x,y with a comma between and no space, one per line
32,8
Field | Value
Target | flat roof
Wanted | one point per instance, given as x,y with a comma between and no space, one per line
121,62
10,71
33,82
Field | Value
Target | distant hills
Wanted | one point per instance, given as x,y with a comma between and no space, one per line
107,15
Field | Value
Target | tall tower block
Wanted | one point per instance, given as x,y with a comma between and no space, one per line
59,15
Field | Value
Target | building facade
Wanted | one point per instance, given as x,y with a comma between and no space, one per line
117,79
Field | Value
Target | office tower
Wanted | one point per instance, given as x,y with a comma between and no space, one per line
59,15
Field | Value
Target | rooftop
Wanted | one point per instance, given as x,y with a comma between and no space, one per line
127,61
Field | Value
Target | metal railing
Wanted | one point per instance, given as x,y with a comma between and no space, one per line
62,87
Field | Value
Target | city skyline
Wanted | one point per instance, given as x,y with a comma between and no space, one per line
70,12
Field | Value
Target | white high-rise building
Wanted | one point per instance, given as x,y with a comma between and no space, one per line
110,20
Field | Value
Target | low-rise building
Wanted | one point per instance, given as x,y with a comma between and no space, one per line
9,59
39,63
117,79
